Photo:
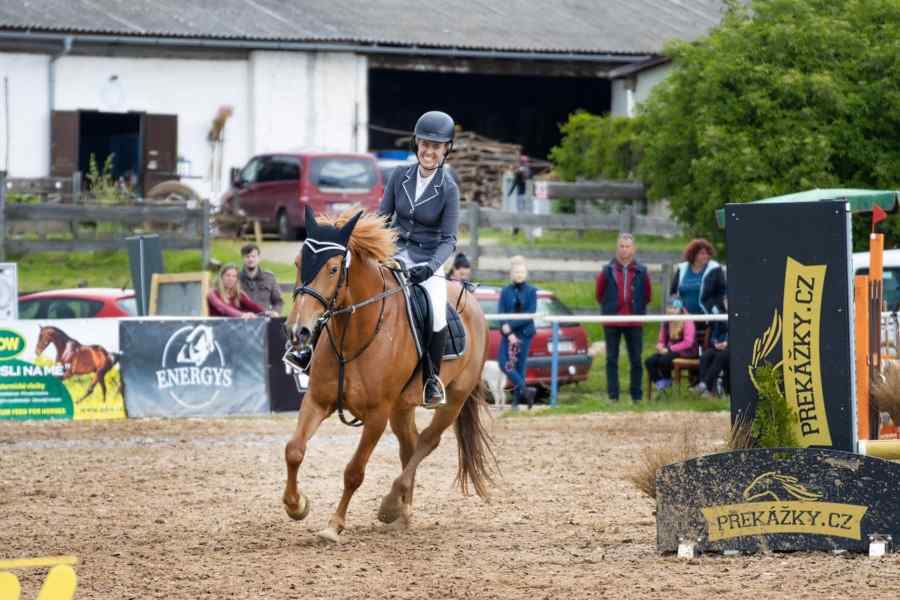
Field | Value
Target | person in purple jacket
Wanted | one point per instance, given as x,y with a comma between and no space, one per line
677,339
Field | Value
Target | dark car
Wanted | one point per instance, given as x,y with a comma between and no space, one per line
78,303
274,189
574,361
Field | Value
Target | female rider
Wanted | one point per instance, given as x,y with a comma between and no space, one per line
424,204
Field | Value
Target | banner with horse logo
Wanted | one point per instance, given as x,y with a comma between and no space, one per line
63,369
194,368
789,307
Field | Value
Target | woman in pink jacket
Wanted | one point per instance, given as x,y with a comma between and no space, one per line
227,299
677,339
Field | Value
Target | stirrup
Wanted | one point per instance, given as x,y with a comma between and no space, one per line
425,399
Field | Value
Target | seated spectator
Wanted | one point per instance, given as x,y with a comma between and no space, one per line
677,339
227,299
461,269
714,360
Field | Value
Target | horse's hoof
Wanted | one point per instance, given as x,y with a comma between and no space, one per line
301,511
401,523
390,509
329,534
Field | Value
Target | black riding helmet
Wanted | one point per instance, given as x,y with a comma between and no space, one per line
435,126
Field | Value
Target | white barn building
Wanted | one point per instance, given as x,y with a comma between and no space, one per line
144,79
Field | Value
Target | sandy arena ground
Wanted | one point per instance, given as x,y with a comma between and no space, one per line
191,509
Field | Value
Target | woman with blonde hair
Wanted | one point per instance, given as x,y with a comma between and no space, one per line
226,299
677,339
518,297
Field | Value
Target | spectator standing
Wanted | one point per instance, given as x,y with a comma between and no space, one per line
519,187
260,285
518,297
623,288
677,339
227,299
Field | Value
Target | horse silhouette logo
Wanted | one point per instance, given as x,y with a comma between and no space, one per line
778,487
198,345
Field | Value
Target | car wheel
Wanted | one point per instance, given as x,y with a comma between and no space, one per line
285,231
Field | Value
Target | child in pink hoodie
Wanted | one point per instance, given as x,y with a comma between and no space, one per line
677,339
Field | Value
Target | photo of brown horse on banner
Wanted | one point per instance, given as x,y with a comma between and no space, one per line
78,359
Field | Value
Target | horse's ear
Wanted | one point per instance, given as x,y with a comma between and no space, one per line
347,229
310,220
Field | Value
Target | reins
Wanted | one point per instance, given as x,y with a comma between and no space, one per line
330,312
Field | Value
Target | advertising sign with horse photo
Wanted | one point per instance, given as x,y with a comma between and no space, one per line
64,369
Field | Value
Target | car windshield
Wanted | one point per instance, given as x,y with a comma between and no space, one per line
129,305
550,306
346,174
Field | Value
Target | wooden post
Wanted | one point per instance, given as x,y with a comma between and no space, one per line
861,329
627,218
76,187
257,232
204,228
2,215
474,224
667,270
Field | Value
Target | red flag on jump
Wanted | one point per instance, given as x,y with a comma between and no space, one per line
878,215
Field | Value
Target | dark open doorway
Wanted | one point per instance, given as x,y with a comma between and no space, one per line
116,135
523,109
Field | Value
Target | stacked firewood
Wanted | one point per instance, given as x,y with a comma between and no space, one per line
480,164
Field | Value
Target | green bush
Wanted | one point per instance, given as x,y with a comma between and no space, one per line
597,147
773,423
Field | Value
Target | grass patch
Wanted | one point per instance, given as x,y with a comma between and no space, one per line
52,270
675,400
589,240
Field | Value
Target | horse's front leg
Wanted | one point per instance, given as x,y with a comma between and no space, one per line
356,471
311,416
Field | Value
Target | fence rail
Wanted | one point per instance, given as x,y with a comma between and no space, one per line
186,225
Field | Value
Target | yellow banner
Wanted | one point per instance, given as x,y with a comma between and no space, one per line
757,518
803,290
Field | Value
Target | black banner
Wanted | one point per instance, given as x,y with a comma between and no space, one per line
283,390
777,499
193,368
789,305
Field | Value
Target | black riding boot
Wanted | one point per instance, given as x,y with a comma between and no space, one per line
434,389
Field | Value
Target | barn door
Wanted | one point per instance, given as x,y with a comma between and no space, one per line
64,142
159,155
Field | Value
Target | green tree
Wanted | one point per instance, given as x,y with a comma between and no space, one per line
597,147
784,96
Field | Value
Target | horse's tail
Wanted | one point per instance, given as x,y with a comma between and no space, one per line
477,461
114,358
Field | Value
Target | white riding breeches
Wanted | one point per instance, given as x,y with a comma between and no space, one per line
436,286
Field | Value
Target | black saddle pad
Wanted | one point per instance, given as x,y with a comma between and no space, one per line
421,323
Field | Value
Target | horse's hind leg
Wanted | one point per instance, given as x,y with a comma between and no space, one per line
98,378
355,472
398,502
296,504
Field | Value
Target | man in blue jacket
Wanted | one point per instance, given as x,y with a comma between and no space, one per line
517,297
623,288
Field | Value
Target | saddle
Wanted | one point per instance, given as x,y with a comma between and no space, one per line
418,312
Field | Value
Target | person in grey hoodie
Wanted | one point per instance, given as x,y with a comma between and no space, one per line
424,205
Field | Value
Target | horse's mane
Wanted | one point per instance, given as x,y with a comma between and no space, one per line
371,237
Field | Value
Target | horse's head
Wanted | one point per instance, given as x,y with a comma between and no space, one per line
44,339
322,268
774,486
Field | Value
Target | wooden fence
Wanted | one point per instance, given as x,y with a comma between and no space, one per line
182,225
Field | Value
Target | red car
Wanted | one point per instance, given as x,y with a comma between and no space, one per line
78,303
574,361
275,188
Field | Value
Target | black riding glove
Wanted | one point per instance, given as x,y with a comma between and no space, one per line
420,273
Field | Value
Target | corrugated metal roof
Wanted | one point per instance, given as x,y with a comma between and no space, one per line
583,26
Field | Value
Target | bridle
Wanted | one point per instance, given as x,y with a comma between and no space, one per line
331,310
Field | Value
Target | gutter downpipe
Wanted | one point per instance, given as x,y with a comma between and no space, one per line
320,47
67,42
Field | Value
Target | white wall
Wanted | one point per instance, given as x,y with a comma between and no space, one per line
625,102
310,100
191,89
28,131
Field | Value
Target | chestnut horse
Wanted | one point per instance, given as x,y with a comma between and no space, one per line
365,321
76,358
